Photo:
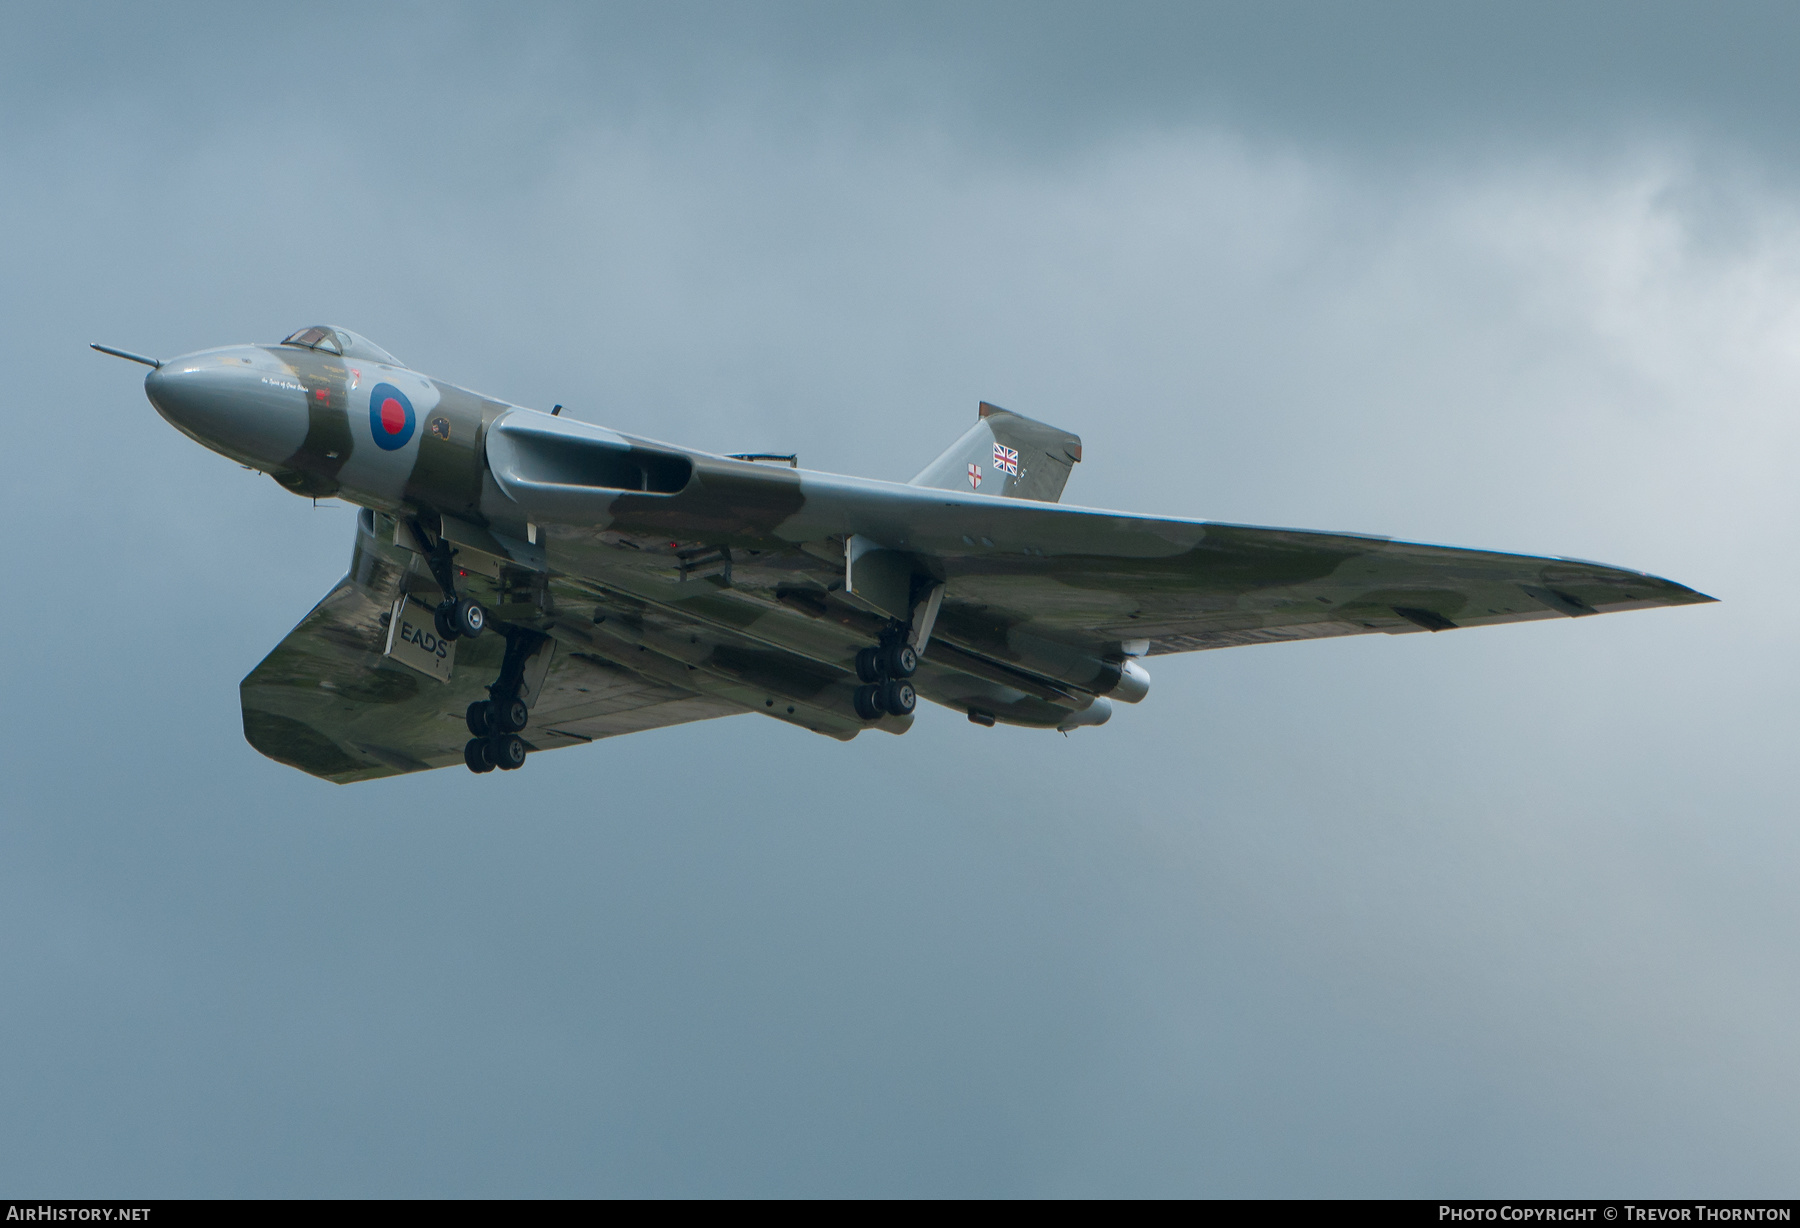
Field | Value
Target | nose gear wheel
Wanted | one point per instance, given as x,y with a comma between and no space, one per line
462,617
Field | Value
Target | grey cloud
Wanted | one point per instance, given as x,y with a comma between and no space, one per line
1488,913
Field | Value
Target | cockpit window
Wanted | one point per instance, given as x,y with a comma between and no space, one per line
343,342
361,347
316,338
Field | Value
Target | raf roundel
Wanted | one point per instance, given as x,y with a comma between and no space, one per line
391,418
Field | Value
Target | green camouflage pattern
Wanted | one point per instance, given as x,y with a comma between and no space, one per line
675,585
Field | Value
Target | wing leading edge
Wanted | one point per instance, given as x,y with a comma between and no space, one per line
1220,586
1112,583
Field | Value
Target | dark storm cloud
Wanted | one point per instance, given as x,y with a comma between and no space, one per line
1472,913
1021,76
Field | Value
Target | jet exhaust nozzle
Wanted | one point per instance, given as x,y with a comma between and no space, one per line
1133,683
1097,713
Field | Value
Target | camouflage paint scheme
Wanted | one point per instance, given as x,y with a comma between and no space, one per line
675,585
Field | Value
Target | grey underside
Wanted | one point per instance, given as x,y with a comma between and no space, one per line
327,702
674,647
729,598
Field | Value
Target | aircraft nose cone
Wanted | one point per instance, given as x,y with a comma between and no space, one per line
226,403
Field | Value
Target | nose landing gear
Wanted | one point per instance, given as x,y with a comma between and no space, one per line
455,616
458,618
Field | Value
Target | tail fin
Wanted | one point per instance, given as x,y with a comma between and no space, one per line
1006,454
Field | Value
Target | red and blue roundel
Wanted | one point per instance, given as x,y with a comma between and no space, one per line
391,417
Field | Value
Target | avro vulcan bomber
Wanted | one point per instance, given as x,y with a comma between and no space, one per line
523,581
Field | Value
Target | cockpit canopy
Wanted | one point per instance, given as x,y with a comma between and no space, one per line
331,340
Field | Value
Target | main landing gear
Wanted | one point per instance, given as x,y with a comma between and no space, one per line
497,720
884,670
455,616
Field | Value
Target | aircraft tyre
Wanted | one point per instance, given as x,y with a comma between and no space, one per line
508,715
467,617
480,718
868,665
899,660
868,702
898,697
445,628
475,754
508,752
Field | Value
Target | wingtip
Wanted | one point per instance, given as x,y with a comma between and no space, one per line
1683,595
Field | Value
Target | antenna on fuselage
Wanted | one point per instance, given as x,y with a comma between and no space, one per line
107,349
555,411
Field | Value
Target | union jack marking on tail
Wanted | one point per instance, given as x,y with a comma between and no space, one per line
1007,459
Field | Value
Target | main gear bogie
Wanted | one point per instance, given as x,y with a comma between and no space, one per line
883,670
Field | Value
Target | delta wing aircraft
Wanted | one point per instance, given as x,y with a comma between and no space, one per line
523,581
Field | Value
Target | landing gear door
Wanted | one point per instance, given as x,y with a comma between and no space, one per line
412,640
537,668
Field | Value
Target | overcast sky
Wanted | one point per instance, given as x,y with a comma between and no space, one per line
1502,912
